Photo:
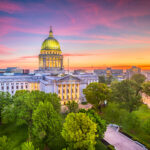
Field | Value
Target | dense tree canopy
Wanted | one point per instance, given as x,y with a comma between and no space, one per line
146,88
101,79
4,143
5,100
96,94
47,125
26,102
126,95
28,146
101,124
79,131
138,78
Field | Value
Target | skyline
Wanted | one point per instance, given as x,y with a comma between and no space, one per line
94,34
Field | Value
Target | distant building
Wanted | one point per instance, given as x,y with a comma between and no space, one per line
79,71
108,72
26,71
2,70
100,72
134,70
14,70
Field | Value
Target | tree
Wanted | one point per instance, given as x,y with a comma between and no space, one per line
79,131
4,143
47,125
72,106
109,79
101,124
138,78
101,79
27,146
25,102
125,94
146,88
5,100
96,94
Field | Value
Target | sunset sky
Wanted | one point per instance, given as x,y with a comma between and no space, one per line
92,33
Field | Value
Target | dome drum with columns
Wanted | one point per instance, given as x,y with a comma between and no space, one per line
50,58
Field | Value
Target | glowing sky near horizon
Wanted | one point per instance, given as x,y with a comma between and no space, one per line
93,33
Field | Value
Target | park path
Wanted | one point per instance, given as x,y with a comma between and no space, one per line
120,141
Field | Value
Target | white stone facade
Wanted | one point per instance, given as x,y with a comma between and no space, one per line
68,87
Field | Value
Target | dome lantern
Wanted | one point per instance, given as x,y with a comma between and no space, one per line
50,43
51,32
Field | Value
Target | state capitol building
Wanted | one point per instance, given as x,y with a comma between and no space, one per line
50,77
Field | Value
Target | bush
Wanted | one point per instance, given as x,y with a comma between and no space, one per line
84,103
111,147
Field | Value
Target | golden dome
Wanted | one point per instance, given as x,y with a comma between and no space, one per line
50,43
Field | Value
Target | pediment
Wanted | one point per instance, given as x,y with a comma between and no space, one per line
69,78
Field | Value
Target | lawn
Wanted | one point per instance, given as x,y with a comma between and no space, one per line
16,134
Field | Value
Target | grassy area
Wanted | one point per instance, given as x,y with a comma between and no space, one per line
16,134
100,146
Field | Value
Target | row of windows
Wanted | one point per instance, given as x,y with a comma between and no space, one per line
76,90
7,83
12,87
68,85
69,97
47,52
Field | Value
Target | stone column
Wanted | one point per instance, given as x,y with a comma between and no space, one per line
55,61
52,61
75,89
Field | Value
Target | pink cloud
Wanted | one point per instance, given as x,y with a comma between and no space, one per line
5,50
10,7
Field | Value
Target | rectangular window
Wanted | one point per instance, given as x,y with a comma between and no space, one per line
58,91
